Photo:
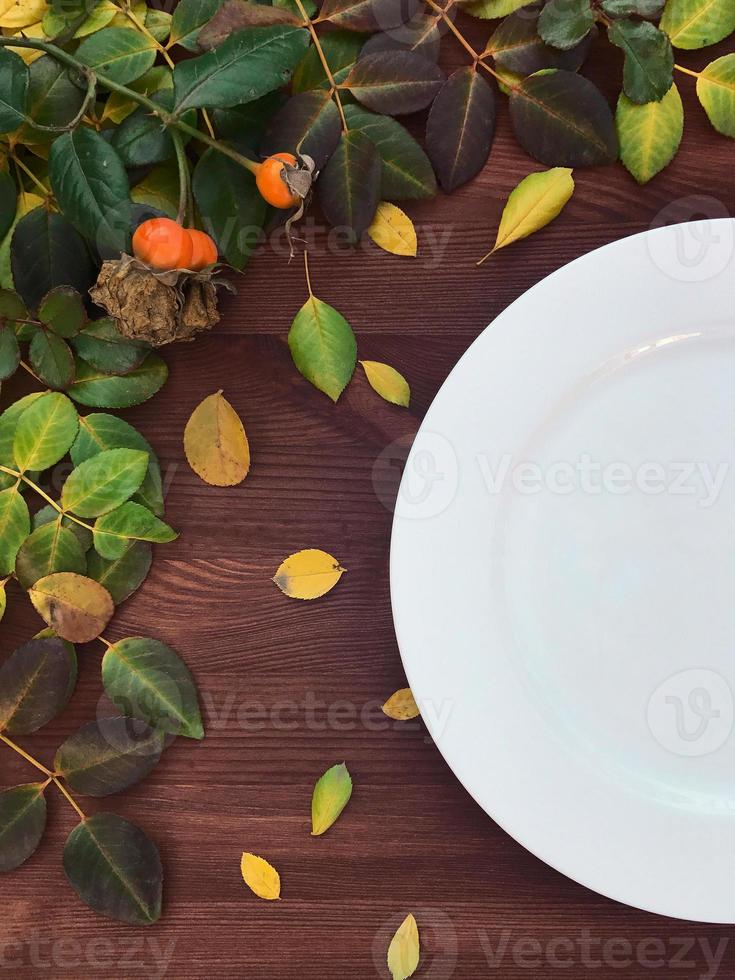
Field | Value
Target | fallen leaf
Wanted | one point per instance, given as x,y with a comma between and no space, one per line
215,443
404,950
308,574
535,202
393,231
388,382
331,795
76,607
260,877
401,706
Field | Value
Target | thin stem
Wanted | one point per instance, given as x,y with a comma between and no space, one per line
333,90
33,486
60,786
687,71
29,369
167,118
306,270
29,758
134,19
477,59
29,173
183,169
106,642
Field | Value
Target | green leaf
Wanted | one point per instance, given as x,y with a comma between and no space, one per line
13,90
100,431
564,23
308,123
99,390
8,424
142,138
113,532
649,134
188,19
158,22
12,306
9,352
406,172
62,310
53,99
563,120
123,577
490,9
341,49
231,207
34,685
15,526
76,607
115,869
51,359
49,515
516,46
119,53
22,823
421,34
642,8
249,64
50,548
118,106
364,15
460,128
698,23
104,348
102,483
349,187
648,71
147,679
108,755
716,92
46,251
323,347
395,82
244,125
331,795
45,432
8,203
89,181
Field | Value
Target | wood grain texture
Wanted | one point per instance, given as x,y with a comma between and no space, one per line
289,688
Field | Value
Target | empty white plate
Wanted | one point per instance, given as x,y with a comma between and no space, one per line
563,570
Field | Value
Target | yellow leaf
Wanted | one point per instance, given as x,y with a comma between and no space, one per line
393,231
33,31
27,201
21,13
532,204
215,443
260,877
331,795
76,607
401,706
308,574
388,383
3,600
404,949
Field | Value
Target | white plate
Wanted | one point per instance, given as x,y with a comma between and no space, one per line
563,570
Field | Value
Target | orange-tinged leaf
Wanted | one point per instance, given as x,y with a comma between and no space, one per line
260,877
331,795
388,382
308,574
76,607
401,706
404,950
215,443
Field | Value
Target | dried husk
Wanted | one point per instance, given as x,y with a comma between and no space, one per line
157,307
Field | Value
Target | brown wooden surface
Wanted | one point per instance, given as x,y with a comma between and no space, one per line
412,839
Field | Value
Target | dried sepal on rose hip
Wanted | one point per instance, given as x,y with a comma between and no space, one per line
165,291
284,181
